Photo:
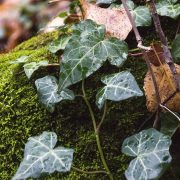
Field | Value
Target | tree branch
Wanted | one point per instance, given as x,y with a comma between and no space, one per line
144,51
167,53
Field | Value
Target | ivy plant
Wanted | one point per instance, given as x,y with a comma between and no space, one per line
151,149
169,8
40,156
83,52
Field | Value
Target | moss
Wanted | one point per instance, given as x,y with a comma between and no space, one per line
22,116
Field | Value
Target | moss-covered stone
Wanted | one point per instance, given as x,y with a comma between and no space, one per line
22,116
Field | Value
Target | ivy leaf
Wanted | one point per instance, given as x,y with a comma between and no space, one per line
141,14
176,47
105,1
168,8
85,53
29,68
118,87
49,95
20,60
151,149
40,156
59,44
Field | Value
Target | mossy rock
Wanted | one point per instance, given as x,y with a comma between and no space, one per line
23,116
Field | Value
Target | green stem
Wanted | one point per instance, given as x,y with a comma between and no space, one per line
96,133
103,117
88,172
134,50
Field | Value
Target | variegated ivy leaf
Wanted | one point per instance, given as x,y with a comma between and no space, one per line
169,8
86,52
29,68
49,95
141,14
105,1
40,156
176,47
151,149
59,44
118,87
20,60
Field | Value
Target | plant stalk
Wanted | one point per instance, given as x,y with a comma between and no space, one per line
145,55
88,172
167,53
96,133
103,117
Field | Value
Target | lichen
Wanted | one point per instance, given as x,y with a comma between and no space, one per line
22,116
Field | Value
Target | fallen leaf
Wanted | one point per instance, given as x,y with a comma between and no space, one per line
156,56
115,20
166,87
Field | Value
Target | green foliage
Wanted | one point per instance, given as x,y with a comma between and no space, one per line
59,44
19,60
40,156
169,8
30,68
118,87
151,149
86,52
141,14
47,88
23,117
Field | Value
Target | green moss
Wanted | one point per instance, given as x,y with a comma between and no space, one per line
22,116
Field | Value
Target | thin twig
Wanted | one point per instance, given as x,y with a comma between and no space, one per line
157,121
170,97
170,111
143,50
144,122
135,54
53,65
103,117
88,172
178,27
96,134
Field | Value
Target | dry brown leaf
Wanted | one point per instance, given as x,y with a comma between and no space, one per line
166,87
116,21
156,56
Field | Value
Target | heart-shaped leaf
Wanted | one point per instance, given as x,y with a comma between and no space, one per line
40,156
168,8
86,52
176,47
141,16
29,68
20,60
151,149
59,44
118,87
49,95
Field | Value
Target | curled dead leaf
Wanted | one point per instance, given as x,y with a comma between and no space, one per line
166,87
116,21
156,56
